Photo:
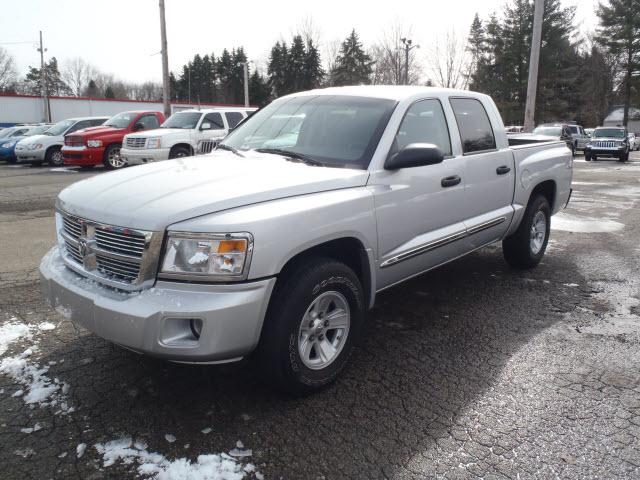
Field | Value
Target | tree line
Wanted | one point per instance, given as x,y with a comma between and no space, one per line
580,76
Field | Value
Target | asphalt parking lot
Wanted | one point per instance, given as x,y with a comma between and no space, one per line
472,370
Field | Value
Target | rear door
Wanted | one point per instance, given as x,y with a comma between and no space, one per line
489,173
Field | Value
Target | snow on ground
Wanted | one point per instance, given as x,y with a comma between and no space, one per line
206,467
37,387
571,223
64,169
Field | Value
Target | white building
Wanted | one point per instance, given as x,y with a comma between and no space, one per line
614,119
30,108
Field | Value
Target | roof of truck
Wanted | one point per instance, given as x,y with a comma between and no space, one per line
392,92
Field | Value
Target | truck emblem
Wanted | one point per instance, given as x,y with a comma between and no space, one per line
83,247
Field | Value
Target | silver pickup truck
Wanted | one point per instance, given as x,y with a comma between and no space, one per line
277,243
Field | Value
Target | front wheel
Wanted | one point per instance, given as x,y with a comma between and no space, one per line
112,159
525,248
179,152
587,156
312,324
54,157
624,156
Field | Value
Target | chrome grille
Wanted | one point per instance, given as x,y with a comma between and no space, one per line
606,144
73,141
120,257
206,146
135,142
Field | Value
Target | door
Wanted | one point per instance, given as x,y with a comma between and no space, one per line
212,127
420,211
489,173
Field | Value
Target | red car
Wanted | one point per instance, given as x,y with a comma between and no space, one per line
101,145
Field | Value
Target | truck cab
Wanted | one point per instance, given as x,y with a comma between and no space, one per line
182,134
101,145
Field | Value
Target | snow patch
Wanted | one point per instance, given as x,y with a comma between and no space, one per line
156,465
80,449
45,326
11,332
572,223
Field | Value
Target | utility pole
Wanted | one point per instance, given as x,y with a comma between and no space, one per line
165,62
246,83
189,83
534,61
408,46
43,83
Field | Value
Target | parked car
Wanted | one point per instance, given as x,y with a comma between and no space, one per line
609,142
8,145
47,147
580,137
181,134
634,141
282,251
558,131
589,131
514,129
101,145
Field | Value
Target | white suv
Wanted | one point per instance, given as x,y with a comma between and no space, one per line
181,135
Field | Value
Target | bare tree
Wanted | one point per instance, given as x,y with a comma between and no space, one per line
389,57
309,30
76,73
8,74
329,54
448,61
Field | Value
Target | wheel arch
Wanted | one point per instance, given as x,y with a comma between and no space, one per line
188,146
546,188
349,250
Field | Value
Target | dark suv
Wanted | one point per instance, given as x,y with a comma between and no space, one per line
608,142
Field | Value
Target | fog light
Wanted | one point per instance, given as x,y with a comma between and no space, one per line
196,327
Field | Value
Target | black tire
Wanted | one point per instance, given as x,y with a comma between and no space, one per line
594,158
278,352
624,156
54,157
111,158
179,152
587,156
517,248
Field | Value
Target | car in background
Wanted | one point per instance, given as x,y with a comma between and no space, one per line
101,145
514,129
8,145
181,135
609,142
580,137
589,131
557,131
634,141
47,147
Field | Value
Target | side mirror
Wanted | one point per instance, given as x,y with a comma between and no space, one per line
138,126
415,155
205,126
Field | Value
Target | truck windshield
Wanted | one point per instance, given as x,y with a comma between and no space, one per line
122,120
187,120
328,130
549,131
609,132
60,127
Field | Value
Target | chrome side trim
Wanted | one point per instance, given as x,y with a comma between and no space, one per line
441,242
485,225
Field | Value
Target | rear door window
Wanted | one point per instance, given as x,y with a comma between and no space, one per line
474,125
233,118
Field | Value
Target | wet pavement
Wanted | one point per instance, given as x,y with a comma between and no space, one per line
472,370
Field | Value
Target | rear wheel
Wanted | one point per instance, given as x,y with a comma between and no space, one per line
179,152
312,324
112,159
525,248
54,157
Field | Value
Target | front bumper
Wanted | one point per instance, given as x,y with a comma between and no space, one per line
30,155
7,153
82,156
143,155
606,152
156,321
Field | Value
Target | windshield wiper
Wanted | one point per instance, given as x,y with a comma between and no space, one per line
290,154
224,146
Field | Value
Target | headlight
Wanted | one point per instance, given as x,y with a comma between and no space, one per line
153,142
94,143
9,144
222,257
35,146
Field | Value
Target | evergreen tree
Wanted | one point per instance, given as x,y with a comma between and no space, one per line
108,92
277,69
352,65
224,71
296,65
92,89
259,90
313,71
619,33
476,43
54,82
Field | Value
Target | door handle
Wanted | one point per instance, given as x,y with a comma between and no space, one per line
450,181
503,170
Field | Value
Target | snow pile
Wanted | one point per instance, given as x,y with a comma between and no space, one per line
11,332
572,223
156,465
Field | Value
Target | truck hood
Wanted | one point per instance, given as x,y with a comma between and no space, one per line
158,132
93,132
154,196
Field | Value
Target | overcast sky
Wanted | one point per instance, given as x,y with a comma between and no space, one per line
123,37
